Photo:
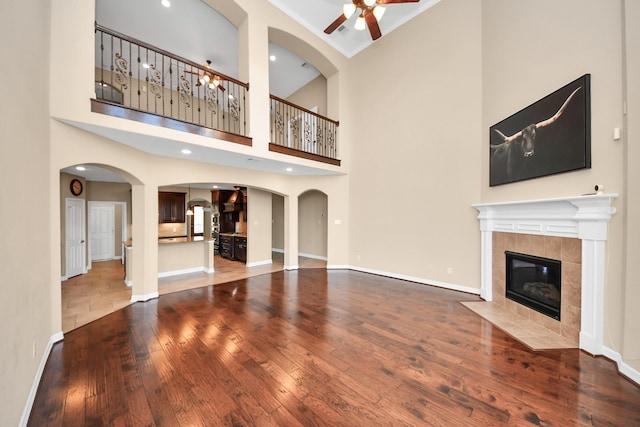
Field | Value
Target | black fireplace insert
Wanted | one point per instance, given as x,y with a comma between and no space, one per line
534,282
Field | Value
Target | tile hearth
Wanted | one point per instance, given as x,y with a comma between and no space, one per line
531,334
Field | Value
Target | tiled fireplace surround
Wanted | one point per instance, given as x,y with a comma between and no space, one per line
573,230
565,249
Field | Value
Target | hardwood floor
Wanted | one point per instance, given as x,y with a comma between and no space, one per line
314,347
101,291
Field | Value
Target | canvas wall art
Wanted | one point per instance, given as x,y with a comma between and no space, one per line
550,136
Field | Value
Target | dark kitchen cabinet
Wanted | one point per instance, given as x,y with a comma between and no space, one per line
233,247
226,246
171,207
240,248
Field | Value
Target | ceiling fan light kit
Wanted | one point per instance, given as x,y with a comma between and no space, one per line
348,9
370,15
208,78
378,11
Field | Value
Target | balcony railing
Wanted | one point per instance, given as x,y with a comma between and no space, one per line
146,79
303,133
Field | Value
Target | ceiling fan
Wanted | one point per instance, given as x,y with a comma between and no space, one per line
208,77
370,14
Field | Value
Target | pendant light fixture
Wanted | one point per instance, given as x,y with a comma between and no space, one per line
189,210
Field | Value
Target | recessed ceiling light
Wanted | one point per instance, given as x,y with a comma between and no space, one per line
272,58
81,168
166,3
185,151
289,169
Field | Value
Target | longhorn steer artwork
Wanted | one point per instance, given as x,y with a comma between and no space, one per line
558,143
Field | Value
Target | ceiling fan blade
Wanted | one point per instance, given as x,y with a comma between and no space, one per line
372,23
397,1
335,24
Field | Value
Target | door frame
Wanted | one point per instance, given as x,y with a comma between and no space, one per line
123,206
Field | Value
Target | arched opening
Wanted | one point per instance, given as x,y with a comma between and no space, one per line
95,224
312,229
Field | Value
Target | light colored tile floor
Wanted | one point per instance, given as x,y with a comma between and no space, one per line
531,334
102,291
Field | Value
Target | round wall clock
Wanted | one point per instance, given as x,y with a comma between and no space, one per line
76,187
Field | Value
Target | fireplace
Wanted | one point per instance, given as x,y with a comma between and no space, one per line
578,218
534,282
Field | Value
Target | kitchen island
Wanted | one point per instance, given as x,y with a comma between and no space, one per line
234,246
182,255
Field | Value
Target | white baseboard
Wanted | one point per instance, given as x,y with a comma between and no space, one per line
290,267
280,251
257,263
143,298
451,286
184,271
36,381
624,368
322,258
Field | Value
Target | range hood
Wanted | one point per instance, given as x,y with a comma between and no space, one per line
235,202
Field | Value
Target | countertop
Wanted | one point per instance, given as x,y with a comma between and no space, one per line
170,240
234,234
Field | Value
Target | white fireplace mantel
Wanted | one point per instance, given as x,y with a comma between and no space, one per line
581,217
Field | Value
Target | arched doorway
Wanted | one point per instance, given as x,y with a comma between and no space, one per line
312,229
102,197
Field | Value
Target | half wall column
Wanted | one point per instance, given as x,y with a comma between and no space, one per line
592,303
592,216
290,233
145,242
486,259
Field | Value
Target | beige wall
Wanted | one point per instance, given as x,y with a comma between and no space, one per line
312,224
258,226
27,246
313,94
183,256
631,144
417,147
277,215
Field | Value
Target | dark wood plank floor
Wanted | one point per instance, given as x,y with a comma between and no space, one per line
315,348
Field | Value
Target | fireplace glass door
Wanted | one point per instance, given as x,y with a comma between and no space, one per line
534,282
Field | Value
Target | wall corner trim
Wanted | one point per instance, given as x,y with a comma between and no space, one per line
58,336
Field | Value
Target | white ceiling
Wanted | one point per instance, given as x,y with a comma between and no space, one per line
316,15
193,30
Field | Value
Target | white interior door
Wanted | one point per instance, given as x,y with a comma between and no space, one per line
102,231
75,237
